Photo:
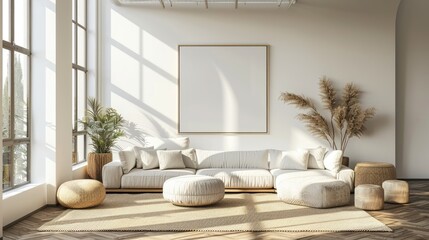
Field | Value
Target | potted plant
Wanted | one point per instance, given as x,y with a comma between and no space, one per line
104,127
347,117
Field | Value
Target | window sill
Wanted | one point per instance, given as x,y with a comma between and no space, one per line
79,166
20,190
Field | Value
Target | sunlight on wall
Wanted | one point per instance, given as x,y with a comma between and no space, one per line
229,102
50,35
159,54
125,32
50,108
300,138
125,72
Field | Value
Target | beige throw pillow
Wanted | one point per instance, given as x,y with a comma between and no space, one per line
148,159
189,157
128,159
294,160
333,160
139,163
315,159
169,159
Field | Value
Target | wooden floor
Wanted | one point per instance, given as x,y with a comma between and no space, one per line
409,221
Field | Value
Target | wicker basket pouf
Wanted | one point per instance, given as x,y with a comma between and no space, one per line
369,197
396,191
82,193
374,173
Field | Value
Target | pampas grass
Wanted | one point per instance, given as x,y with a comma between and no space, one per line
347,117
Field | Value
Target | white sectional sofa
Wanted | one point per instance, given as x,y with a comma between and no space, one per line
239,170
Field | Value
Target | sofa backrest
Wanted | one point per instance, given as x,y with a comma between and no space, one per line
232,159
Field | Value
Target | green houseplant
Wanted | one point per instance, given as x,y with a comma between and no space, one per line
104,127
346,119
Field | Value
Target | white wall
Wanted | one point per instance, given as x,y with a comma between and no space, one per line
347,41
412,88
1,122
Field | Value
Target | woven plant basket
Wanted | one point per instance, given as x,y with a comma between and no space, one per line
96,161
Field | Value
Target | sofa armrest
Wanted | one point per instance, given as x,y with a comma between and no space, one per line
347,175
112,174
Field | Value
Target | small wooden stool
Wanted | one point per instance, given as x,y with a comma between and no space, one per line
374,173
369,197
396,191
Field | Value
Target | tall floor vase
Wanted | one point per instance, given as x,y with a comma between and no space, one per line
96,161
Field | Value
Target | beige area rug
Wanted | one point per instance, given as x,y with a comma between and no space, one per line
257,212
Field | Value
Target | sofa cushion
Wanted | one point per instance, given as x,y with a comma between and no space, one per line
315,159
232,159
168,143
153,178
240,178
147,159
314,173
128,159
189,157
294,160
170,159
333,160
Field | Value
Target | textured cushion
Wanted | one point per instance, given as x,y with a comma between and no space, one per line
314,173
112,174
137,152
315,159
153,178
333,160
318,191
396,191
295,160
128,159
232,159
193,190
189,157
169,159
274,158
168,143
147,159
369,197
240,178
82,193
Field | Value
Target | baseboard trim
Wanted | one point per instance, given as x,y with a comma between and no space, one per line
414,179
159,190
27,215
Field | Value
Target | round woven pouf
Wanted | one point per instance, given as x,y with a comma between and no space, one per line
82,193
369,197
374,173
396,191
193,190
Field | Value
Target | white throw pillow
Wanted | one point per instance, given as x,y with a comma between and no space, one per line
189,158
137,149
128,159
294,160
169,159
333,160
168,143
148,159
315,159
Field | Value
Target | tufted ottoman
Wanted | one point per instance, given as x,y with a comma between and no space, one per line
82,193
312,191
193,190
369,197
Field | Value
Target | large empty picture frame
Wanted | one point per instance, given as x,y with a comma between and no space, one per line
223,89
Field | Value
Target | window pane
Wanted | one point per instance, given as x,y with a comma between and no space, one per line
21,23
81,12
21,95
81,47
74,43
20,164
6,168
6,93
6,20
81,148
81,96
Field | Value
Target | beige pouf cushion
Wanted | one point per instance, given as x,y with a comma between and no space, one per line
396,191
193,190
373,173
369,197
313,191
82,193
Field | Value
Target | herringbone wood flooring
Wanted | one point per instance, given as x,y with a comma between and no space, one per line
409,221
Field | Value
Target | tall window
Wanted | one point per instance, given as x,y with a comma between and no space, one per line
16,93
79,72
